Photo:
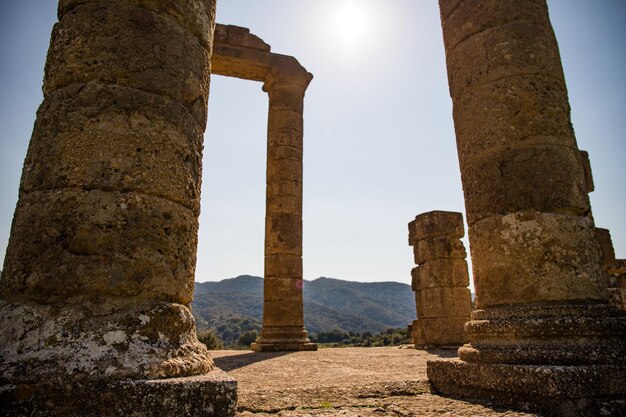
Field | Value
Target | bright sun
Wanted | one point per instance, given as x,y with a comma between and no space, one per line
352,21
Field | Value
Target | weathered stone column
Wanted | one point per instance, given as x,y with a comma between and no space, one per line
540,292
98,274
615,269
443,301
283,315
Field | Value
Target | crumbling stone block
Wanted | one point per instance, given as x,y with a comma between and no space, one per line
436,224
440,280
606,248
438,248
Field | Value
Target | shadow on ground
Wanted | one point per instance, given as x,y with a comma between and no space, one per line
248,357
443,353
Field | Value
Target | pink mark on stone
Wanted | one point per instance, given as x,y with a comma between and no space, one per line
299,284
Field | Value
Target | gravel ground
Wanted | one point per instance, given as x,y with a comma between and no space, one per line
346,382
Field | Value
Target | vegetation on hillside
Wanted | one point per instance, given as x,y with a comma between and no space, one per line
238,338
329,304
233,332
337,338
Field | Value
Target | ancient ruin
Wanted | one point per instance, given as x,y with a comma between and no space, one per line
99,270
617,284
98,274
540,289
237,53
441,279
615,269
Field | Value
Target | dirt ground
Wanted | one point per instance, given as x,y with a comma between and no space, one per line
346,382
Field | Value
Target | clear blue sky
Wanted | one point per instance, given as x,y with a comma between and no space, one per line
379,138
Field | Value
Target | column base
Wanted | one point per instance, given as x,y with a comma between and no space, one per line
283,339
587,390
213,395
568,335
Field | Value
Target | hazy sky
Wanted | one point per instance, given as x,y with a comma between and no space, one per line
379,138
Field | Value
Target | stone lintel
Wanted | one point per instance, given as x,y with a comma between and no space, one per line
238,36
244,63
238,53
554,390
212,395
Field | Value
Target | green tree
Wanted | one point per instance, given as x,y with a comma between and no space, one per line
248,338
210,338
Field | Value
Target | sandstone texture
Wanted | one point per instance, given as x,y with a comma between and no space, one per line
98,274
544,335
349,382
213,394
238,53
615,269
440,280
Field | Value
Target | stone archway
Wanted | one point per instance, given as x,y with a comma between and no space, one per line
237,53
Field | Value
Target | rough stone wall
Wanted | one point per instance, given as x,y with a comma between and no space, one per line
440,281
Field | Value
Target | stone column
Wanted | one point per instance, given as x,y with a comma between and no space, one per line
283,315
615,269
99,270
540,292
443,301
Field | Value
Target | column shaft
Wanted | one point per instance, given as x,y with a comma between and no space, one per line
539,285
283,314
99,269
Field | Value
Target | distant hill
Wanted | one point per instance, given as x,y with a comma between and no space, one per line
329,304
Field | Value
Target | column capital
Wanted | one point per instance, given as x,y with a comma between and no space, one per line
286,72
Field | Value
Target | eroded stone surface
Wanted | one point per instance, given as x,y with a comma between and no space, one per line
518,257
545,329
213,394
99,269
153,340
440,281
238,53
436,224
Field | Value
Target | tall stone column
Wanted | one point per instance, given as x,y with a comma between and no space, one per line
540,291
98,274
283,314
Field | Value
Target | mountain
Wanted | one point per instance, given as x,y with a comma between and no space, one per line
329,304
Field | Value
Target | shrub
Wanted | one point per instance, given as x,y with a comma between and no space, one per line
248,338
210,339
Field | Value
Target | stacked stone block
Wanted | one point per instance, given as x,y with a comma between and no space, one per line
440,280
617,284
615,269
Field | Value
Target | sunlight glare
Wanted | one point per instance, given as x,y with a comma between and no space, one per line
352,22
